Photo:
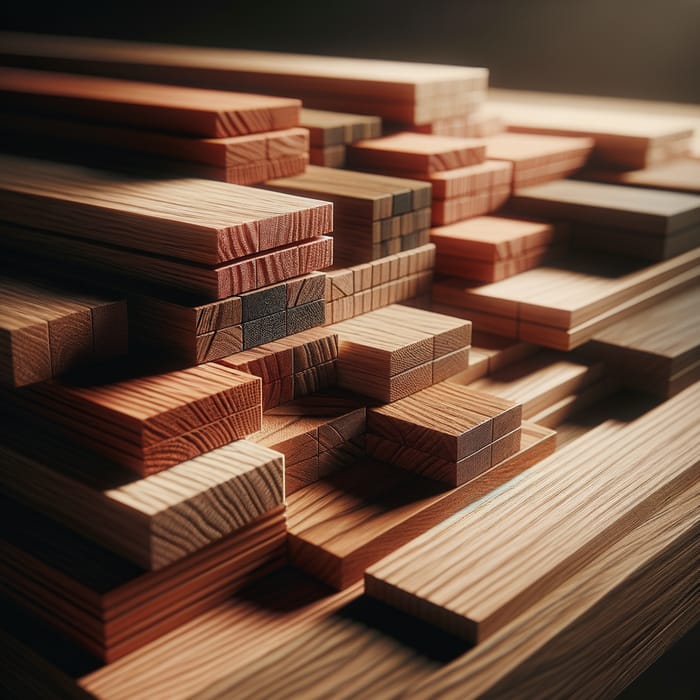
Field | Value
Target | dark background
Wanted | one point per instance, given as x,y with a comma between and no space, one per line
627,48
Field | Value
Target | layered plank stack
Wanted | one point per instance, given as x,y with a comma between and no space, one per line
652,224
366,287
420,349
291,367
331,132
656,350
47,330
233,137
563,306
492,248
373,216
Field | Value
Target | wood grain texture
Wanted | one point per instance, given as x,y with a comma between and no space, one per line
345,522
148,423
651,348
413,93
196,220
655,212
46,330
110,606
338,128
410,154
501,570
146,105
153,521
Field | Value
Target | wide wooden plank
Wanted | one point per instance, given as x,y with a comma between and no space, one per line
485,568
344,523
153,521
196,220
680,174
112,607
408,92
655,212
147,105
151,422
412,154
46,330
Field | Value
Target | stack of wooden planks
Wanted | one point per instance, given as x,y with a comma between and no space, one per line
537,158
656,351
233,137
446,432
623,139
47,330
149,422
291,367
400,91
331,132
317,434
477,572
209,239
365,287
196,333
550,386
492,248
476,123
421,349
651,224
374,216
563,306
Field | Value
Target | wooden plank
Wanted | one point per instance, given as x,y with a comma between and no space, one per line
336,128
401,91
459,182
656,212
346,522
112,607
148,423
196,220
46,330
146,105
412,154
152,521
506,565
680,174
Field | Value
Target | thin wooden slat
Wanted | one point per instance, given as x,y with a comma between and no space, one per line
148,423
338,128
110,606
46,330
146,105
401,91
153,521
412,154
344,523
504,565
195,220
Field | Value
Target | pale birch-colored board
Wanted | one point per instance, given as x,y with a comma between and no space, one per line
196,220
505,565
153,521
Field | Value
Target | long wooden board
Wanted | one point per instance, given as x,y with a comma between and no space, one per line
407,92
344,523
151,106
151,422
46,330
152,521
195,220
112,607
475,573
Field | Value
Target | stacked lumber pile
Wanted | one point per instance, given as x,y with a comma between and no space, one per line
651,224
374,216
655,351
233,137
269,414
331,132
